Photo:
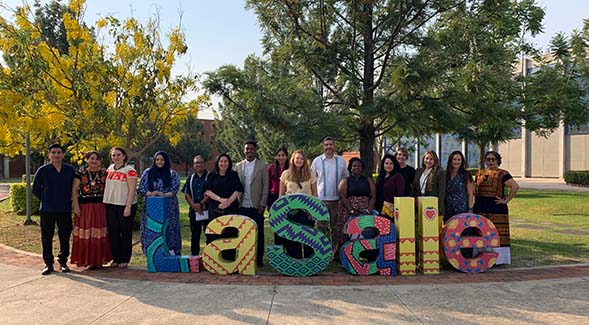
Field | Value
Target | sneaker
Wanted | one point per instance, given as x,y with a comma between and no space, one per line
47,270
123,265
114,264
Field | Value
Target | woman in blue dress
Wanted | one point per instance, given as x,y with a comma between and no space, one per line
161,180
459,186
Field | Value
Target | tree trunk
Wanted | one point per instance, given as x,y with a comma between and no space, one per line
366,133
481,155
366,130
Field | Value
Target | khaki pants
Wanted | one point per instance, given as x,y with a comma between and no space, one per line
322,225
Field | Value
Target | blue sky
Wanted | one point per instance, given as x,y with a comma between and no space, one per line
222,32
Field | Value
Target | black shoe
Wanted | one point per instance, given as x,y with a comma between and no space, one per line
47,270
64,268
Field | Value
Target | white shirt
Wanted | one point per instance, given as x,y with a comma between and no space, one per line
248,172
329,173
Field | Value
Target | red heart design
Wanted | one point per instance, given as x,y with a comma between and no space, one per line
430,213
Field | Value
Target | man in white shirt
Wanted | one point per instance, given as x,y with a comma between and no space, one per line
330,169
253,174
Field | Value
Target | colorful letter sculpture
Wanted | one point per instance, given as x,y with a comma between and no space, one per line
454,241
385,242
244,244
157,252
405,224
285,228
428,240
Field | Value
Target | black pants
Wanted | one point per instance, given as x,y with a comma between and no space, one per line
272,197
64,230
120,231
259,220
293,248
196,229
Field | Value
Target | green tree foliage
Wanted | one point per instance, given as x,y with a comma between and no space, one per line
557,92
192,142
469,61
271,102
338,57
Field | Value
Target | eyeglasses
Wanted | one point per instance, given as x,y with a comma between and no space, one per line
491,159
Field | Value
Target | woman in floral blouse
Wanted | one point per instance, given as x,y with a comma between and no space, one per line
91,245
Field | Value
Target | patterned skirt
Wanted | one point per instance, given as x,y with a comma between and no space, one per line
357,203
91,244
501,221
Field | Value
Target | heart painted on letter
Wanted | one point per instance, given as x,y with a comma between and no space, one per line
430,213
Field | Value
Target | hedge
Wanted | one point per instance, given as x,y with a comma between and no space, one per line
18,199
577,177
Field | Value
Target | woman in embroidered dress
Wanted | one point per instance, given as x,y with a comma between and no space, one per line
91,244
357,196
120,197
161,180
430,180
459,186
491,200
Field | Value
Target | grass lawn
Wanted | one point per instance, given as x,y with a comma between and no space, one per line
546,228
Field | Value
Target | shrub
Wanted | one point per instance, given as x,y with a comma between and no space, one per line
137,218
24,178
18,199
577,177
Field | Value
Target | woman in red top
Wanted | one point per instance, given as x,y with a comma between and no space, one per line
274,171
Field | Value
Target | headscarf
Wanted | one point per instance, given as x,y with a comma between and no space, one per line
156,173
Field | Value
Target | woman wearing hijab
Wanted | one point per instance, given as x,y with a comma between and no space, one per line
160,180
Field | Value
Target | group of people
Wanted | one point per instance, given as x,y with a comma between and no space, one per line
105,200
104,204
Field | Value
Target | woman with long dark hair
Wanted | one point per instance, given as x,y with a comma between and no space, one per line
459,186
160,180
223,189
91,244
389,184
275,170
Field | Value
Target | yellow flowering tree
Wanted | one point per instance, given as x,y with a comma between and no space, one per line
112,85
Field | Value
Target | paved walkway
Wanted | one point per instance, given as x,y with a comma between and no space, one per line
549,184
4,191
541,295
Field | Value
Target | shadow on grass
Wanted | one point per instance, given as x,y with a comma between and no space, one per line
533,253
535,195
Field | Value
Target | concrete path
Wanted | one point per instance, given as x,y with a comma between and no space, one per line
548,184
27,297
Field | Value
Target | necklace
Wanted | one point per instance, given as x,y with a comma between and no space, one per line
94,178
